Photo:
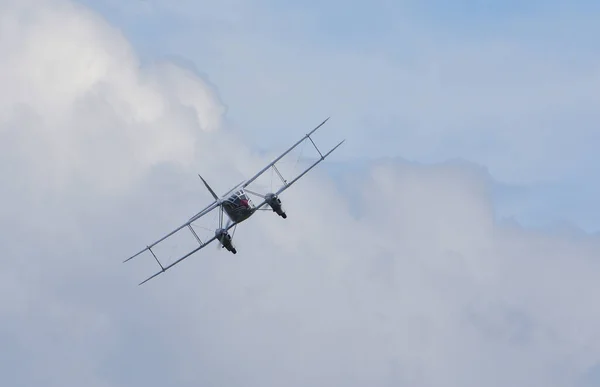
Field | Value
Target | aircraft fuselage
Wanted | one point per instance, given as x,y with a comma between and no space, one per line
238,206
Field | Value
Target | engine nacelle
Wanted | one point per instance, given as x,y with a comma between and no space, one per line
225,239
275,203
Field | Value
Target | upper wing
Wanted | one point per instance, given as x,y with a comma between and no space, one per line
272,164
188,224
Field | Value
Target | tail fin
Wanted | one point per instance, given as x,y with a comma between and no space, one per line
209,189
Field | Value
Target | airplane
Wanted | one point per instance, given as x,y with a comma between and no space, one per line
238,206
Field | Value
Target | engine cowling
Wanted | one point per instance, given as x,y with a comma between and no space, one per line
225,239
275,203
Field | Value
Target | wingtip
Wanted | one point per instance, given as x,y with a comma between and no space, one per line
148,279
135,255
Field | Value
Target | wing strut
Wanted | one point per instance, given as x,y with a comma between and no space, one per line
195,235
315,145
156,258
279,174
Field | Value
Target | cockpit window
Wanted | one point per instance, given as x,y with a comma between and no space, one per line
240,198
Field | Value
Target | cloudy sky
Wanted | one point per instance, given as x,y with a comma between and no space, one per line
450,241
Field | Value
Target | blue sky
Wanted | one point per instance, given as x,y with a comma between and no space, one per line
508,85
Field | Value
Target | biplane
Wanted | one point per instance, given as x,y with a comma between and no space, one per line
237,205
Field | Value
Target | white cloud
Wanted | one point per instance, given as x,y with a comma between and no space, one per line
99,157
77,97
424,289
